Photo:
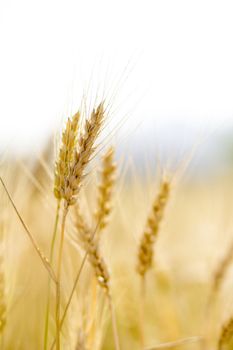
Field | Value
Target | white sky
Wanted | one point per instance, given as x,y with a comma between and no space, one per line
174,60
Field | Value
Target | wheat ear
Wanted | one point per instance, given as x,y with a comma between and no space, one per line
145,251
226,335
105,189
222,269
66,155
82,156
90,245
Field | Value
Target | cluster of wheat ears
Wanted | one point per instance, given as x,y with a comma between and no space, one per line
78,306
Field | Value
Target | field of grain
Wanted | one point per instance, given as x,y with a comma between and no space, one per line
94,257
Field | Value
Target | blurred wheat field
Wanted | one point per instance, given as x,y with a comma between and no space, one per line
186,299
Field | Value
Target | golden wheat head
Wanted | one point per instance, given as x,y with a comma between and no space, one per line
145,252
105,189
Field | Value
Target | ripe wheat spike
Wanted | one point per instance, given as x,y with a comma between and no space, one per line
146,249
105,189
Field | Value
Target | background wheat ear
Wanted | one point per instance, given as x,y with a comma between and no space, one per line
146,246
225,341
221,270
87,239
105,189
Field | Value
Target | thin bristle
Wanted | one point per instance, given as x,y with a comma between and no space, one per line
105,189
145,253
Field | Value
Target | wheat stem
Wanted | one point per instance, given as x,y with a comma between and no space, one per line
43,258
114,324
142,311
49,281
93,312
71,294
58,284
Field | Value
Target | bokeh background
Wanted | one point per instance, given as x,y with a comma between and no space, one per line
165,67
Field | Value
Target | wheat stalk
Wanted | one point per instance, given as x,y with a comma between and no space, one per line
69,175
41,255
2,299
51,255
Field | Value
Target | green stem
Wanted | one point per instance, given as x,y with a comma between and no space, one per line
51,254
